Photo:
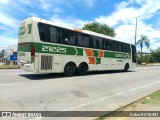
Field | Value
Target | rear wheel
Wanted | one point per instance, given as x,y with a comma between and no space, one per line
70,69
82,69
126,67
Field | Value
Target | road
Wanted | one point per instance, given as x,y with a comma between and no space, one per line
24,91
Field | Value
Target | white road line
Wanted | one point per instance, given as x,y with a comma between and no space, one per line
15,74
102,99
8,84
95,101
108,97
144,86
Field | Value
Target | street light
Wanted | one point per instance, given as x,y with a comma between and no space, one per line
136,30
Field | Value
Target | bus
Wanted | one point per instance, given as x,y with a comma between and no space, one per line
46,47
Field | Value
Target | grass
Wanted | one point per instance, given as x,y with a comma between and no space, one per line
152,99
9,67
101,118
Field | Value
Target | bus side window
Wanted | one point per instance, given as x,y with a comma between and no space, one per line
91,42
122,47
86,41
72,38
118,46
42,36
44,32
80,40
127,48
107,45
53,34
59,35
69,37
66,40
95,43
100,43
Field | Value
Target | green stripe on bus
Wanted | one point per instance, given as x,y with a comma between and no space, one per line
98,60
58,49
116,55
79,51
66,50
95,53
25,30
24,47
30,28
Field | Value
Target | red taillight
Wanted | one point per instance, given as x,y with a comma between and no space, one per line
32,51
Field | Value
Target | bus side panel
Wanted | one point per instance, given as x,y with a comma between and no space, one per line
57,63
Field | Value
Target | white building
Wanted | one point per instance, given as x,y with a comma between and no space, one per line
12,49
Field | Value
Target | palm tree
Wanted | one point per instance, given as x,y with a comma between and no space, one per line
143,41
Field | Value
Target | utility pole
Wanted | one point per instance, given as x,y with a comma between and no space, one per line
136,30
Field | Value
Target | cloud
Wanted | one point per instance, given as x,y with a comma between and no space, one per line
3,28
8,20
5,41
68,21
57,10
4,1
89,3
123,21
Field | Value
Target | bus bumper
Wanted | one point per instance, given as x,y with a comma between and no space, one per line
27,67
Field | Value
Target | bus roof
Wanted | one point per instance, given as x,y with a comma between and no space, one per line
73,29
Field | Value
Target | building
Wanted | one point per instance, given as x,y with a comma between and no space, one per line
10,55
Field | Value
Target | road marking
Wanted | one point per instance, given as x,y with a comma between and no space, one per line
7,84
107,97
102,99
16,74
144,86
95,101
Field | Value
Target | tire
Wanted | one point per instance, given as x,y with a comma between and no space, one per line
69,69
82,69
126,68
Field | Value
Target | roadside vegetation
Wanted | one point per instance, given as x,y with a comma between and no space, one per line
152,57
153,99
149,103
9,67
100,28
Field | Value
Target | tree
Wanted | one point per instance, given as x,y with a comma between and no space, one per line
143,41
99,28
156,55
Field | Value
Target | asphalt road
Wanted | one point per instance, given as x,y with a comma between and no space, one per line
24,91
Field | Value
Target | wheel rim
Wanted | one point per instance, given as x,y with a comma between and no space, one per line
83,69
69,69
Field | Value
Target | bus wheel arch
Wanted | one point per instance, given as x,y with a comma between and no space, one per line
126,67
82,68
70,69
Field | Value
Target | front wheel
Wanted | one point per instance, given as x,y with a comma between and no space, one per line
70,69
126,68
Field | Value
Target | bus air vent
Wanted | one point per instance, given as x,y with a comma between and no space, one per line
46,62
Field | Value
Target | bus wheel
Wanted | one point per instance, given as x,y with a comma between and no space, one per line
69,69
82,69
126,67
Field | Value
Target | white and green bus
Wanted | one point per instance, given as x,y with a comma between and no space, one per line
45,47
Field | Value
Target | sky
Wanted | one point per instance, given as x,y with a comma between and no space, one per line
118,14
